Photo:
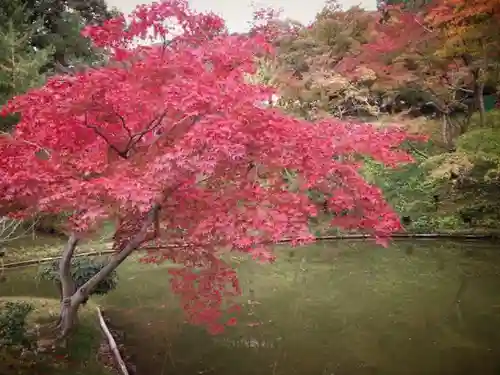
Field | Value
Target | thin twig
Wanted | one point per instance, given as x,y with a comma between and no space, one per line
40,148
8,227
124,124
153,124
417,151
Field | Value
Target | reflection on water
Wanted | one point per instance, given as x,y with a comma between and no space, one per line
337,308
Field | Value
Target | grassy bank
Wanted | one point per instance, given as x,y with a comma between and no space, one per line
447,190
80,357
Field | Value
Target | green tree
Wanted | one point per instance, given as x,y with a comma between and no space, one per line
407,4
20,63
59,24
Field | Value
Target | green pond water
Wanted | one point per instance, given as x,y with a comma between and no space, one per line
337,308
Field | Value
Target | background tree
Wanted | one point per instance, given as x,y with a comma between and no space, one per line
20,62
307,65
407,4
60,23
407,64
470,32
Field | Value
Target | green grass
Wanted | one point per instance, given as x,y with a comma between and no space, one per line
341,308
78,359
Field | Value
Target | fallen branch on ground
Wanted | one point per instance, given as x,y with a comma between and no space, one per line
112,343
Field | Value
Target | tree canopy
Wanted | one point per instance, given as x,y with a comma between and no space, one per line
170,142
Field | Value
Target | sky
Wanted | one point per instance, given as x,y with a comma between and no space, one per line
238,13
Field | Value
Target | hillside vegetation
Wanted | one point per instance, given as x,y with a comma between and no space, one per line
357,65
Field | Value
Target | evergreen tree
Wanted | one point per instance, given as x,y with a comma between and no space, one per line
60,22
20,62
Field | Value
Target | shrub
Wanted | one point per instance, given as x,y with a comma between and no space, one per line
491,119
13,327
82,269
486,140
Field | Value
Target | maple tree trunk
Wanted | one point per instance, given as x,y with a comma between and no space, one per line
72,298
68,312
478,90
464,124
446,132
479,98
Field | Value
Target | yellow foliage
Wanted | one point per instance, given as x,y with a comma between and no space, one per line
443,166
468,27
414,125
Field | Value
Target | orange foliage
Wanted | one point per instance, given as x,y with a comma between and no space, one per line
463,12
469,29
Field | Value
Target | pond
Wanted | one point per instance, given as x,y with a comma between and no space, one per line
336,308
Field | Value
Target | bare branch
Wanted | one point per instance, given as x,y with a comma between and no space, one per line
9,229
112,343
153,124
172,129
59,68
124,124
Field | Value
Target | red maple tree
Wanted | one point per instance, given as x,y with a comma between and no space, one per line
389,50
169,142
403,56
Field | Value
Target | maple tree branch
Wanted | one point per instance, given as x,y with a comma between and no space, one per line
124,124
84,291
417,151
152,125
40,148
105,108
60,68
121,153
135,138
194,118
165,44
